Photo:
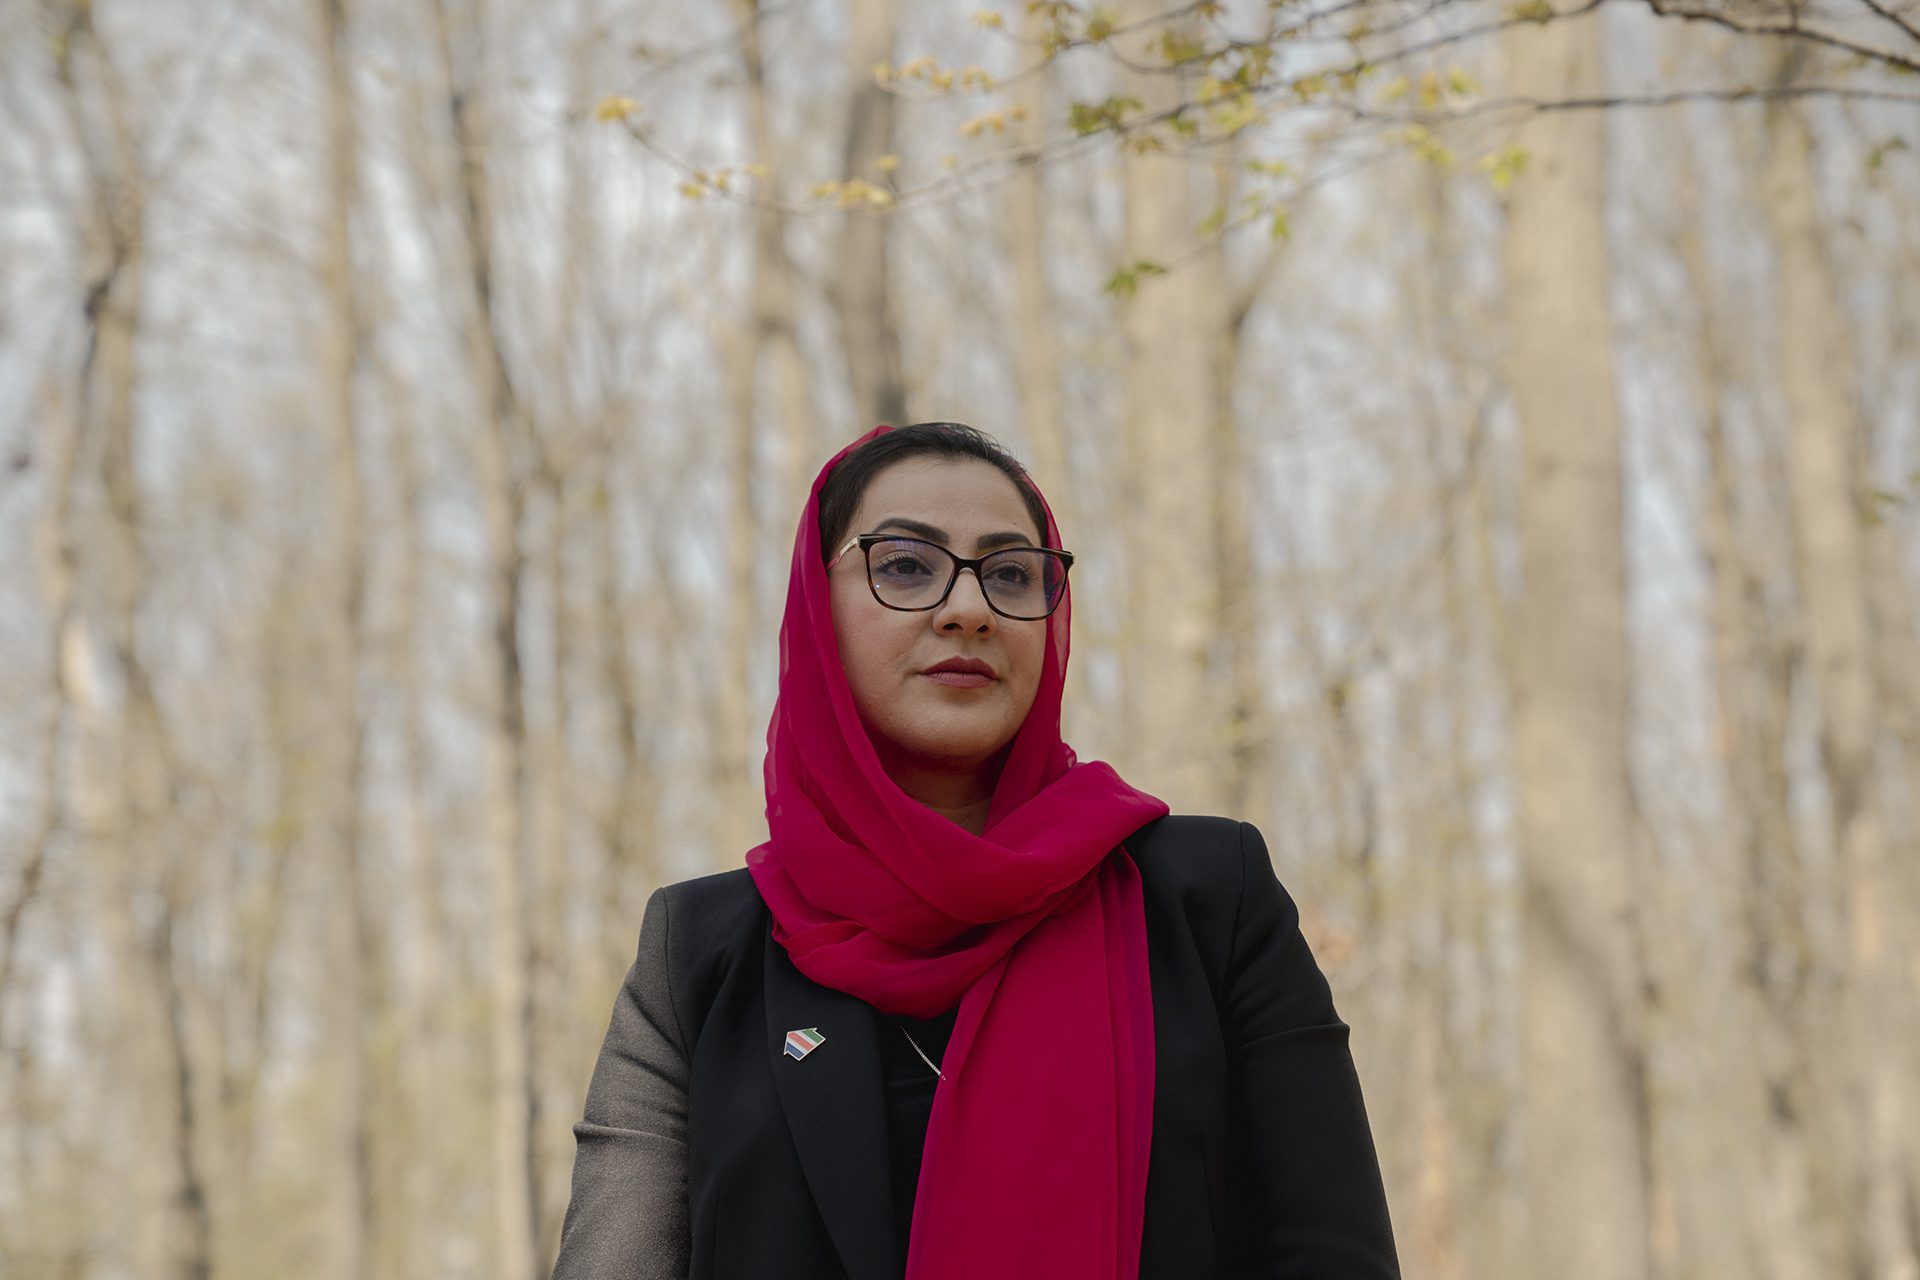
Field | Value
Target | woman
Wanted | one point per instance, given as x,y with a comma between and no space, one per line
975,1009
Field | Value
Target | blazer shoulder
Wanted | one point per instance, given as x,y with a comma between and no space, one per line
722,891
715,926
1187,856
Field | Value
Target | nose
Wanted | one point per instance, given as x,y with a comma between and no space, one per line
965,607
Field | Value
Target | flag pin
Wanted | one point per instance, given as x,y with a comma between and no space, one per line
803,1042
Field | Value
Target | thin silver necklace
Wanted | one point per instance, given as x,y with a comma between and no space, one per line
917,1049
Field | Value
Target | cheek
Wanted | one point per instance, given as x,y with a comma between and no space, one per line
869,646
850,636
1031,650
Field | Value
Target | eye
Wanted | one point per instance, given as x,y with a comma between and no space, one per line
901,563
1012,573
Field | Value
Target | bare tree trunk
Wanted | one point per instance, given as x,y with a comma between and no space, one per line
863,290
1036,349
1896,649
260,879
500,449
1896,654
770,336
32,1086
1499,1229
553,869
626,819
1897,642
1827,446
1169,331
573,389
123,769
1462,1121
1449,1210
1035,339
1583,1050
424,982
124,784
1767,1125
344,1173
1244,718
1752,676
56,555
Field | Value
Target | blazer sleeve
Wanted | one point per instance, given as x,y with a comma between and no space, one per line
1310,1177
627,1218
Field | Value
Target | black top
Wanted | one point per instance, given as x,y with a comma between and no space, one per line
707,1152
910,1087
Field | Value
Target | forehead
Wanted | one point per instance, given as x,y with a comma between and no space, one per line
963,496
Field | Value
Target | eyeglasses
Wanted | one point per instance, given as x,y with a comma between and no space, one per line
1024,583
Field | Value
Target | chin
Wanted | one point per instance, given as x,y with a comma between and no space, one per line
961,746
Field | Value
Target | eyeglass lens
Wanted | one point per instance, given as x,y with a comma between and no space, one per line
909,574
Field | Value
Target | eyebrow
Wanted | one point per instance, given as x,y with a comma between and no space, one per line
933,533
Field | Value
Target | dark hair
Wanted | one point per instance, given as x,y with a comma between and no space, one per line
848,480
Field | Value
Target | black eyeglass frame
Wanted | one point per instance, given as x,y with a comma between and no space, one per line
867,541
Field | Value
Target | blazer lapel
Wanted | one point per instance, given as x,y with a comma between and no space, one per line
835,1103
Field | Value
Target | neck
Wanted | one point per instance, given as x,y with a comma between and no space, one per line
956,792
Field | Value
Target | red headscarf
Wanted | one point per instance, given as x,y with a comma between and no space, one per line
1036,1155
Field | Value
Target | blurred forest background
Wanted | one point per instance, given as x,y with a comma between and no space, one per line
1490,432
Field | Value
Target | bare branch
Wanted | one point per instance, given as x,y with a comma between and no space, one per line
1791,28
1897,19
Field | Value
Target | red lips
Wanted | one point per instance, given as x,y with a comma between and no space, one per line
963,666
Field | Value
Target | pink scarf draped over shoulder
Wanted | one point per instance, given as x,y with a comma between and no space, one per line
1036,1153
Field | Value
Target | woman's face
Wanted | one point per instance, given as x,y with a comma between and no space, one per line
970,508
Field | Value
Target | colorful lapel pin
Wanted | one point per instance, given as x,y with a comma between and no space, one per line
803,1042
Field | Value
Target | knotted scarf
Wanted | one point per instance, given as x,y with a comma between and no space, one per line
1036,1152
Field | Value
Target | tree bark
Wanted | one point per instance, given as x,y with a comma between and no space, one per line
1582,1002
1245,761
1169,330
1768,1123
500,455
423,978
626,817
1036,347
769,338
863,289
123,768
56,557
1450,1220
1827,448
344,1177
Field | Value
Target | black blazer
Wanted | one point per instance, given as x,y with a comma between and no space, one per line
704,1151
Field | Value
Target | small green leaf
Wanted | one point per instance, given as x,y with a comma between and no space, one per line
1231,117
1503,166
1178,48
1091,117
1878,156
1125,282
1879,506
614,107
